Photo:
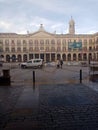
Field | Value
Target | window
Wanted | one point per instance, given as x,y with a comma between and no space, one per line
90,48
47,41
58,42
12,49
96,48
84,48
64,48
41,48
29,61
24,42
7,49
58,49
74,40
18,49
47,48
12,43
97,40
90,41
1,41
30,42
31,49
36,42
69,49
18,43
64,42
7,42
36,49
24,49
53,41
41,42
37,61
80,40
85,41
52,48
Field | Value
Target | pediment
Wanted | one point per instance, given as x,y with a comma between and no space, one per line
41,34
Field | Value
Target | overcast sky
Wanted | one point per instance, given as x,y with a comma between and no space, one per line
20,16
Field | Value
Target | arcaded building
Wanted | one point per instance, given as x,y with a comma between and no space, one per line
49,46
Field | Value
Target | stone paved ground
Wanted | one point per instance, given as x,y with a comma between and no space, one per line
74,107
8,98
57,107
57,101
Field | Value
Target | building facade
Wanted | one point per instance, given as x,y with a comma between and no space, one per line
49,46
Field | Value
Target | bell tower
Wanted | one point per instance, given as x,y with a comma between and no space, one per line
71,26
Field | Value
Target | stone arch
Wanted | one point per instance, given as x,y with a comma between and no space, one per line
79,57
53,57
84,56
2,58
25,57
13,58
19,58
69,57
8,58
74,57
42,56
90,56
64,57
47,57
58,56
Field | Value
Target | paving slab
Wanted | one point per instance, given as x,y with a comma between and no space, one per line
49,107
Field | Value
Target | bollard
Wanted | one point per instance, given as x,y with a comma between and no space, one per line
5,79
80,76
6,73
33,78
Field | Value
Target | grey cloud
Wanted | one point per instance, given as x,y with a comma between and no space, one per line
28,14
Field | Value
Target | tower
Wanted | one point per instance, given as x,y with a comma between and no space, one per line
71,26
41,27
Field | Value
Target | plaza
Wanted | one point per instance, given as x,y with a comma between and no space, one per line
56,101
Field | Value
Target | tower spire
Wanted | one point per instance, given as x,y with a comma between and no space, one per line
71,26
41,27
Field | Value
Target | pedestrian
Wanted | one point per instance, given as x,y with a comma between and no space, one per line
61,63
58,64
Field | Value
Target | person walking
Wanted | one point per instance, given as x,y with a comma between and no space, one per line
61,63
58,64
